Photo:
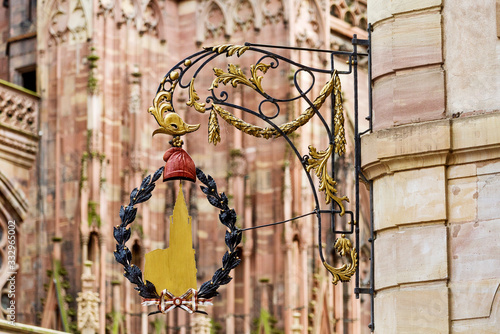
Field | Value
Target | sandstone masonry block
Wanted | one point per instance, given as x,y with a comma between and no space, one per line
414,139
474,248
383,103
412,196
412,309
383,202
417,40
473,77
477,295
462,199
411,254
473,132
385,258
421,253
486,325
489,167
410,87
488,198
385,317
378,10
401,6
382,49
419,196
422,309
461,171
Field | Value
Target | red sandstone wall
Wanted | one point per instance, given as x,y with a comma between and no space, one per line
96,146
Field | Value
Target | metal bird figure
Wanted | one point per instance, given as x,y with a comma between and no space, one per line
173,125
170,122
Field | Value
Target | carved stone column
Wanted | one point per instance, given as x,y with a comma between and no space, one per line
433,158
88,303
296,327
201,324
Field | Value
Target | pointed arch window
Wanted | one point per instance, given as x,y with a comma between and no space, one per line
94,253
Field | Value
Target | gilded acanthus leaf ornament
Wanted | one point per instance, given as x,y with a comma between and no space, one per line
319,162
234,76
345,272
193,98
257,79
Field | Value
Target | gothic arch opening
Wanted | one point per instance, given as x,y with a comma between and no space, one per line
309,17
212,24
94,253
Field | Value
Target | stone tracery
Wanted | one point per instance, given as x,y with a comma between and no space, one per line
244,17
273,11
71,17
215,23
350,11
308,16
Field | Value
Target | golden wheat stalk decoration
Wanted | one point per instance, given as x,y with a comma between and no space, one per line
338,118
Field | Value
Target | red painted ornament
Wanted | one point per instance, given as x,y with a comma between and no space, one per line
179,165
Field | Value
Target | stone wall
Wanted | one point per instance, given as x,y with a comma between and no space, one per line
434,160
98,66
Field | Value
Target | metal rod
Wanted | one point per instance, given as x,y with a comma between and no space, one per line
297,48
372,262
372,233
370,102
278,223
357,154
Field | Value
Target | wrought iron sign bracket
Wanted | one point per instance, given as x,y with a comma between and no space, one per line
318,164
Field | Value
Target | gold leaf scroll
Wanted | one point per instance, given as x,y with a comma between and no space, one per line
234,75
257,79
162,103
319,162
287,128
345,272
171,123
193,98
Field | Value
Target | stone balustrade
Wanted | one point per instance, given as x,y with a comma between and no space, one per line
19,112
18,107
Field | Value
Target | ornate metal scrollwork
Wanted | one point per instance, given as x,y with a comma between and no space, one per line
345,272
286,128
193,98
217,104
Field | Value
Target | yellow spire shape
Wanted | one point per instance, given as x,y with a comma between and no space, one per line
174,268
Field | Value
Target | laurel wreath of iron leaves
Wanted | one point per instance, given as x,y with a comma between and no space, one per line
227,217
